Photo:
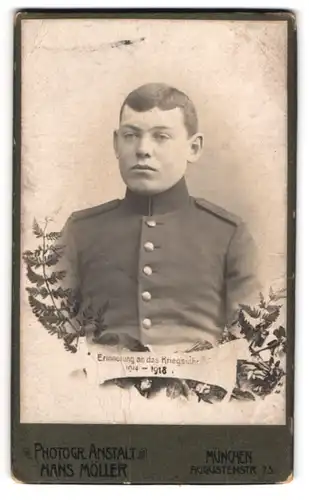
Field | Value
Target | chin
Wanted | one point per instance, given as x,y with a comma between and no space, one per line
144,188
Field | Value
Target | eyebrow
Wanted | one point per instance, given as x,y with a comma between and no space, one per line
134,127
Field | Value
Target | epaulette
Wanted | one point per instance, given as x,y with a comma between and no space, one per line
217,211
94,211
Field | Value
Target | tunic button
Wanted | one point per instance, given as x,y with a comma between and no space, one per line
147,270
146,296
149,247
151,223
146,323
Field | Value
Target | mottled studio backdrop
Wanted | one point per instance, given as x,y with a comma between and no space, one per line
75,75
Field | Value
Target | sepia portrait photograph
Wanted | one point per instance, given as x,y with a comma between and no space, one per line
153,220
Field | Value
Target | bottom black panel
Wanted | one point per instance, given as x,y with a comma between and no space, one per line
45,453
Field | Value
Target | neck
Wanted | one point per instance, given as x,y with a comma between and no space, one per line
168,201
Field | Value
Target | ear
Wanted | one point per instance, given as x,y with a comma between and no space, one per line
195,144
115,139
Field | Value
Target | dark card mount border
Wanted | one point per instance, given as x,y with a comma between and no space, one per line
171,449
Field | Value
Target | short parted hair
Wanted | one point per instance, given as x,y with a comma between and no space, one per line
162,96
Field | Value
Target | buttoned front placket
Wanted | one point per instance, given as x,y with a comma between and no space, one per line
147,268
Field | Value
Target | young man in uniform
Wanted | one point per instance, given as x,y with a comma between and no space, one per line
168,269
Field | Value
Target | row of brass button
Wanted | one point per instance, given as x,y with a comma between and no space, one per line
146,296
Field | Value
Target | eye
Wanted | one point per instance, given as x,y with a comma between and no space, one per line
130,135
161,137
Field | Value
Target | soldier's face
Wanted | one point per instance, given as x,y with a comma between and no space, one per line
153,149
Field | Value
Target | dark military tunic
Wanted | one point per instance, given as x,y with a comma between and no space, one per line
171,267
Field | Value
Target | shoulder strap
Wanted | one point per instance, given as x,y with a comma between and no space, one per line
217,211
94,211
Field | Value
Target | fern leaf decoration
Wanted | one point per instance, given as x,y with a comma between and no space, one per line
34,277
53,236
253,312
37,230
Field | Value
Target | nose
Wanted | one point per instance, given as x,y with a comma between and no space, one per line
144,147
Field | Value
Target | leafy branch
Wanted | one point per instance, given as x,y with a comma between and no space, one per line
256,324
57,308
260,376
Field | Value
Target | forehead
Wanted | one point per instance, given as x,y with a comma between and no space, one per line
155,117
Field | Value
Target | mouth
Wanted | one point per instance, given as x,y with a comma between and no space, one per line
143,168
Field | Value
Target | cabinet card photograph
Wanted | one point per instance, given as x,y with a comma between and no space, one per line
153,251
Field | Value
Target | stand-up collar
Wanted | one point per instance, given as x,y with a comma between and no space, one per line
173,199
